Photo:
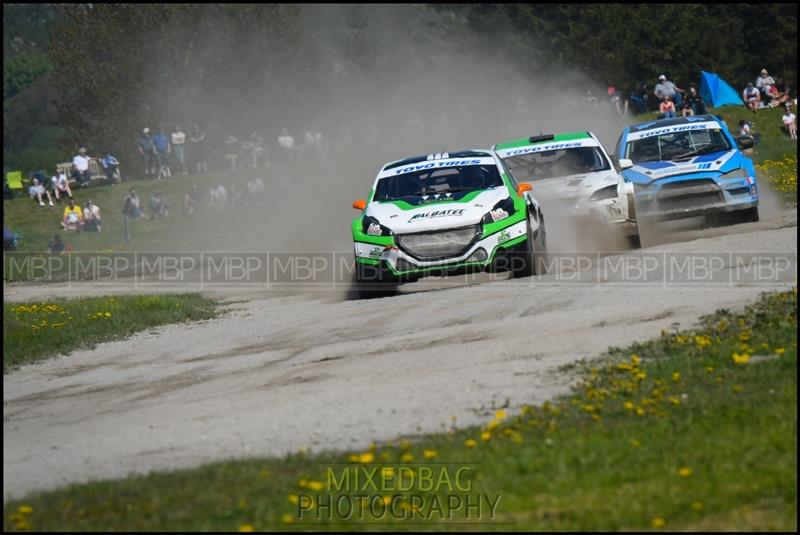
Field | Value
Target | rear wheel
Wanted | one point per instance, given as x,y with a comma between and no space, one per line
745,216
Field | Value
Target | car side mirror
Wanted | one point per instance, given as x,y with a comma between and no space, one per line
746,142
360,204
625,163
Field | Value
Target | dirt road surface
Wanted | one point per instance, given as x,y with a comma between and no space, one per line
278,373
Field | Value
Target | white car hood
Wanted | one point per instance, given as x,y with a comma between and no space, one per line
573,186
434,213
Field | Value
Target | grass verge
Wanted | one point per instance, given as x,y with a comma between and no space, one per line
693,430
33,331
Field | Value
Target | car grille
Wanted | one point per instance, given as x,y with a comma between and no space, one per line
435,245
688,195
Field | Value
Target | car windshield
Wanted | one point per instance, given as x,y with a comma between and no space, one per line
435,181
677,146
556,163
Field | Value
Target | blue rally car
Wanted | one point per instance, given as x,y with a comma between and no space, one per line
687,167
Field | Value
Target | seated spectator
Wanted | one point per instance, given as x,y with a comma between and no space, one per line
133,207
763,84
10,239
110,166
158,204
163,149
255,191
91,217
218,196
232,152
80,168
667,108
254,150
237,194
191,200
790,122
695,102
73,217
751,97
61,184
37,191
779,94
287,143
55,246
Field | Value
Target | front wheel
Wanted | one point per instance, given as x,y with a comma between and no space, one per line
530,258
371,281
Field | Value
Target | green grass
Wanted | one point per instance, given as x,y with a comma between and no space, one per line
34,331
671,434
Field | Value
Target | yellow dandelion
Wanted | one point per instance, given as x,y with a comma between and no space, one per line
635,443
387,472
287,519
485,436
685,471
639,411
246,528
658,522
429,454
407,457
25,509
629,405
697,506
710,369
740,359
676,377
316,486
501,415
366,458
641,376
303,482
780,351
470,443
635,360
294,499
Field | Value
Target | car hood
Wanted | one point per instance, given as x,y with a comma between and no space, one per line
435,212
719,162
572,186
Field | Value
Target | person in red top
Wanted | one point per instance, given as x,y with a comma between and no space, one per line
667,108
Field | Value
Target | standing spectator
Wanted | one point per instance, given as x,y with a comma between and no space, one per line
148,151
191,200
159,205
218,196
179,145
163,149
198,149
751,97
10,239
37,191
254,149
232,151
286,141
790,122
73,217
667,108
664,88
763,84
637,97
255,191
55,246
615,97
80,168
131,210
110,167
61,184
695,101
315,141
91,217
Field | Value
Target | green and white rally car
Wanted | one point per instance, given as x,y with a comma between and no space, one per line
575,179
443,214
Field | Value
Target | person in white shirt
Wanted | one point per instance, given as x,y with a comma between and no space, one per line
61,184
80,168
790,123
218,196
178,144
91,217
286,141
37,192
764,82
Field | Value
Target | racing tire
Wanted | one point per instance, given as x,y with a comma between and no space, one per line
530,258
370,282
745,216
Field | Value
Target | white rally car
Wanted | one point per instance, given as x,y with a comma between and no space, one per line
573,177
445,213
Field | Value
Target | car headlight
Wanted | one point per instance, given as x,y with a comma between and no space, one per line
502,210
608,192
372,227
736,173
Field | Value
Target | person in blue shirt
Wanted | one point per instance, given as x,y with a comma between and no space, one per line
163,148
110,166
148,151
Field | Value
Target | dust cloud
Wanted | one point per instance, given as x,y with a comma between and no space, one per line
409,95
